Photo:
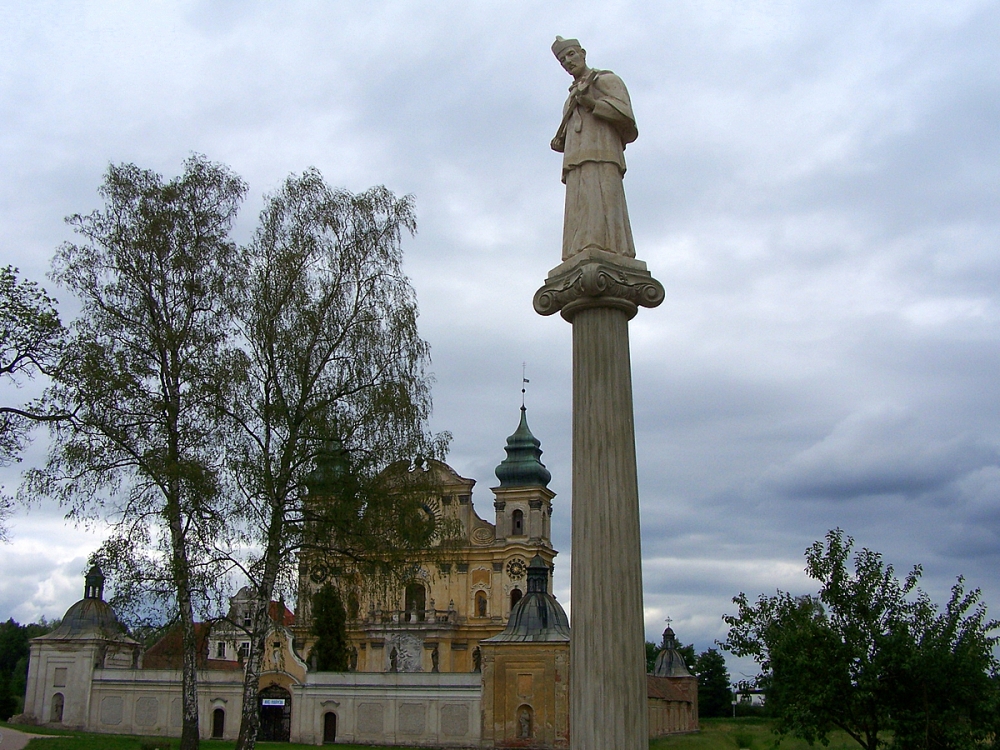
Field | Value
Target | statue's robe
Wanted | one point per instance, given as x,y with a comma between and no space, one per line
593,166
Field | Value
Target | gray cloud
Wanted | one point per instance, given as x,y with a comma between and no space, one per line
815,184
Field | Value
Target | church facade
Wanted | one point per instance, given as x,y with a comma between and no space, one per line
472,650
459,594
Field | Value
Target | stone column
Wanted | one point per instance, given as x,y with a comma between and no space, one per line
598,293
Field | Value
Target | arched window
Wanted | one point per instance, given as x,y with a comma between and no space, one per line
515,597
329,728
218,724
55,716
517,523
482,604
415,602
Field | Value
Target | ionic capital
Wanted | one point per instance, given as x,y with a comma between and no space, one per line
598,279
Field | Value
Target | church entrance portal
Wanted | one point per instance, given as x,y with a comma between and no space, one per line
275,714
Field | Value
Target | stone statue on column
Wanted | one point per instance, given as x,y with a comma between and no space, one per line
598,288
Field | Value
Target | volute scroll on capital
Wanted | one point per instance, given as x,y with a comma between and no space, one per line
598,283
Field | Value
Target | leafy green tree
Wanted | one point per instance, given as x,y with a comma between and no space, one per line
872,655
690,660
140,376
946,695
14,647
329,625
31,338
714,693
651,652
330,387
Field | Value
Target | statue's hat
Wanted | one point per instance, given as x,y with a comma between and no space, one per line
561,44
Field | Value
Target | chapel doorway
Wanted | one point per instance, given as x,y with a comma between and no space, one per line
218,724
329,728
275,714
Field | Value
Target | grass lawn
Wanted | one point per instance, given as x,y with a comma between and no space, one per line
751,732
715,734
57,739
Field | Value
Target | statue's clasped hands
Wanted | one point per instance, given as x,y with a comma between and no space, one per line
585,99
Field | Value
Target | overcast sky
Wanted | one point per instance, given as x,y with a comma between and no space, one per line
816,185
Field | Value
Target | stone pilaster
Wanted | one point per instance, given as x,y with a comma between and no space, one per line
598,293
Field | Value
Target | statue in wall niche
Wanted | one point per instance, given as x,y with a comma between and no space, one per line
524,720
434,659
597,124
394,660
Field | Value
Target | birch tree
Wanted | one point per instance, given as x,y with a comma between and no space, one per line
335,389
141,375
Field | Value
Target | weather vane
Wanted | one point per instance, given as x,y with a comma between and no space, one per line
524,381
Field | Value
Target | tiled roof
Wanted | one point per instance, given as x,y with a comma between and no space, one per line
672,688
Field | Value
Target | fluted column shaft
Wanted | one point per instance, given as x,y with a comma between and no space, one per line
598,293
608,706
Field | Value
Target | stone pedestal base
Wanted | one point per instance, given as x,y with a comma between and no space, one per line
599,293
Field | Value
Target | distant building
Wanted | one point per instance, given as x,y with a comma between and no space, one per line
672,691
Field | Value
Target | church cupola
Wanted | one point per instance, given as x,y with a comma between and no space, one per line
93,583
523,467
669,662
538,576
537,616
523,499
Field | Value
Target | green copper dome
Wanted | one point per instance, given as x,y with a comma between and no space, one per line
522,467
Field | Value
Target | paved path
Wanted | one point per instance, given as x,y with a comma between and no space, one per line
11,739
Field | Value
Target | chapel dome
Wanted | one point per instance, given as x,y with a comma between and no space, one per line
91,615
669,662
86,617
523,467
537,616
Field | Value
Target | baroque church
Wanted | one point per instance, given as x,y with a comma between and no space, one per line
471,651
456,599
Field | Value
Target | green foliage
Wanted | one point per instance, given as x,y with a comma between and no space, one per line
872,655
651,652
714,692
31,338
331,384
14,648
690,659
330,652
140,373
